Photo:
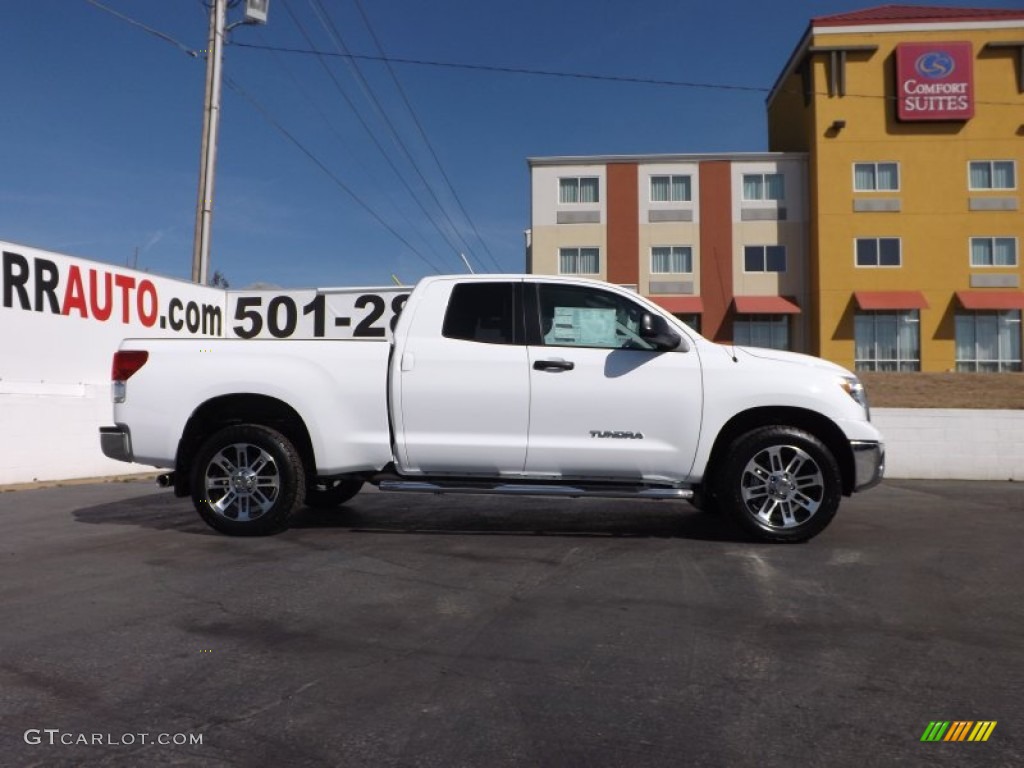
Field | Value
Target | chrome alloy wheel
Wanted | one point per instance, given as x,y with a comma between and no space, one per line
242,482
782,487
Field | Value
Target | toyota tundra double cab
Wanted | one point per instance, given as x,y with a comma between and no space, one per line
522,384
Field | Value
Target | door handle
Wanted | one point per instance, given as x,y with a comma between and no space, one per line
553,365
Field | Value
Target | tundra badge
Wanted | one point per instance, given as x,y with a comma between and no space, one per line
616,435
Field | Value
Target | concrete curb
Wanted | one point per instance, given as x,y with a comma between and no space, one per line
149,475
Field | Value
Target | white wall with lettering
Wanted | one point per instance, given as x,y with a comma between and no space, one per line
62,318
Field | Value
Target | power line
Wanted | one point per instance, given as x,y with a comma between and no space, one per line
514,70
265,113
333,32
299,88
280,128
422,132
155,32
370,132
581,75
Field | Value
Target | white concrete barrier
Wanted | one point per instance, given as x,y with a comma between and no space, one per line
952,444
51,432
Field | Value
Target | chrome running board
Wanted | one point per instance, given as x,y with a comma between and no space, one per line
523,489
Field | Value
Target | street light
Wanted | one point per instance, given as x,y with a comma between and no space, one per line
256,11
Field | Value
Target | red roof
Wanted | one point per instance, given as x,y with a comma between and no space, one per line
886,300
991,299
765,305
916,14
680,305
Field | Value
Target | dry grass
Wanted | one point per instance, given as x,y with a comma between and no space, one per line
945,390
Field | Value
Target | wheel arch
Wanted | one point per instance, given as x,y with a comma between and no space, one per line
809,421
229,410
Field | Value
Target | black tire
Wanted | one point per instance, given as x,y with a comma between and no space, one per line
704,500
247,480
779,484
322,493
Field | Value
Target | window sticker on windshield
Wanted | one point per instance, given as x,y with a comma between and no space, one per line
582,326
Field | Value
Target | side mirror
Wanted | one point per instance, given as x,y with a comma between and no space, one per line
656,330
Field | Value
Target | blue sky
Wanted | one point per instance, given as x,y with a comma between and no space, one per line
102,122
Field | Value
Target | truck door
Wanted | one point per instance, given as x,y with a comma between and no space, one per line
463,389
604,403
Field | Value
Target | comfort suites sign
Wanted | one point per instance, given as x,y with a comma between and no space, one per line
934,81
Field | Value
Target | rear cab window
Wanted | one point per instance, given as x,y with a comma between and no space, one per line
482,312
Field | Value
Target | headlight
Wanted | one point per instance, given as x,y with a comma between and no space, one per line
852,386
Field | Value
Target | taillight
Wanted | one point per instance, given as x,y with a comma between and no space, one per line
125,365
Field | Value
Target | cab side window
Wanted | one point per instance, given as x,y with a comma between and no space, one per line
578,316
481,312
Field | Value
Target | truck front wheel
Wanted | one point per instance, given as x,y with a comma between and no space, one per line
779,484
247,480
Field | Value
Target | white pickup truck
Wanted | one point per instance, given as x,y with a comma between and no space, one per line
498,384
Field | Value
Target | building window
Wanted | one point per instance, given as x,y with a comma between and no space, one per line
763,186
578,189
691,319
878,252
876,177
988,342
671,259
887,341
993,252
670,189
764,258
993,174
771,331
578,261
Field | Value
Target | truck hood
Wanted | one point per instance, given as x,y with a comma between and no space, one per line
794,358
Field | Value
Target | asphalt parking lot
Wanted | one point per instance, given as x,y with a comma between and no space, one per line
468,631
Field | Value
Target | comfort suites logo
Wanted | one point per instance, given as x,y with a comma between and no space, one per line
935,65
934,81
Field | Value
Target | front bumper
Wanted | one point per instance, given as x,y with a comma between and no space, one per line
868,463
116,443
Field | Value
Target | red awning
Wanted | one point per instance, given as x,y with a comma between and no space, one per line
680,305
991,299
765,305
874,300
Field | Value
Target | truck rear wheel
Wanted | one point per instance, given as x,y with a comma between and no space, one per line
247,480
779,484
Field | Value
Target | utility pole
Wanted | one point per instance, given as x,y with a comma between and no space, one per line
255,13
208,158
